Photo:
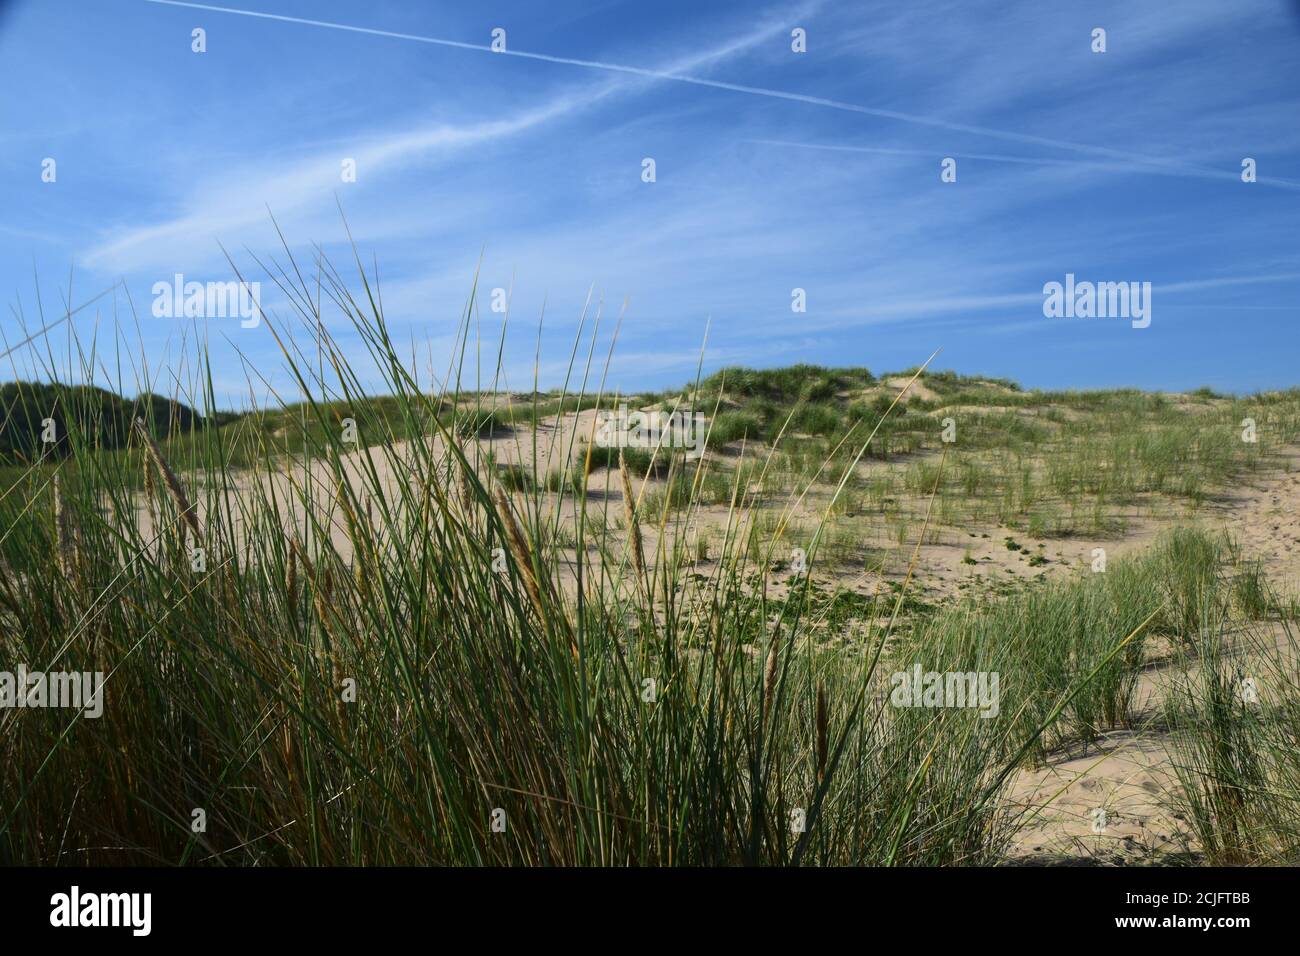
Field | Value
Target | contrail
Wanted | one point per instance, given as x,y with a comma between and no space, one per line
57,322
748,90
1024,138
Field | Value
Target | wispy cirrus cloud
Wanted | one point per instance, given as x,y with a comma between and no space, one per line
227,201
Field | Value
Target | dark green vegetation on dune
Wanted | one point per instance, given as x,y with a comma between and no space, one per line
101,418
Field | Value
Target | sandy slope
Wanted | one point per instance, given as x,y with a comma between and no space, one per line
1128,774
1265,518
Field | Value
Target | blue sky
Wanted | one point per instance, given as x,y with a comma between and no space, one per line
775,170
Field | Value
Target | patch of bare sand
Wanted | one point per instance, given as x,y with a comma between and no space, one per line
1111,805
960,560
303,494
918,390
1264,516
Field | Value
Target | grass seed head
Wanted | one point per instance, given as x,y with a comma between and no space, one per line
65,534
629,513
174,487
519,548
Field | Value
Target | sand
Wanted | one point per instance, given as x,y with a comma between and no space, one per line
1126,774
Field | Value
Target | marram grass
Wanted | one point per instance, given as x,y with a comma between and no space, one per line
378,672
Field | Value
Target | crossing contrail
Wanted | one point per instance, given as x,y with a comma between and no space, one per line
897,115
